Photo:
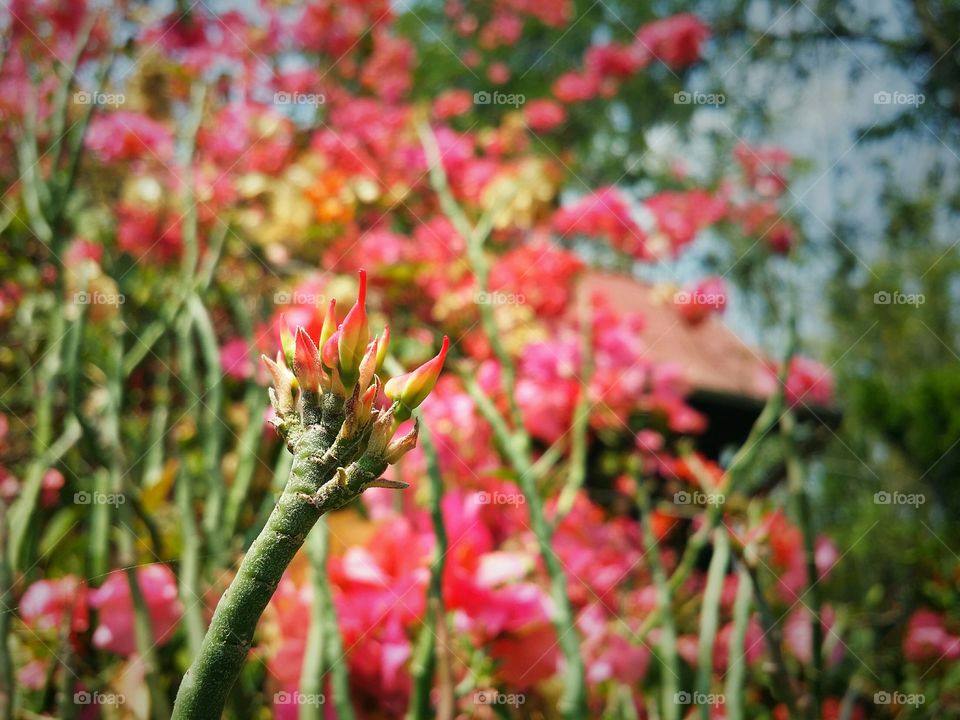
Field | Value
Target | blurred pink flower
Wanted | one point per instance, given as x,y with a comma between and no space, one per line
676,40
927,638
45,604
114,630
126,135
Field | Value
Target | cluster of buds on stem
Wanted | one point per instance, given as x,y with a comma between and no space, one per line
330,388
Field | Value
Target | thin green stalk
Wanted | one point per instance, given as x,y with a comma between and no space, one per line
315,664
783,687
143,630
324,653
573,703
475,237
710,616
667,647
581,416
190,565
801,501
736,658
212,429
424,660
7,686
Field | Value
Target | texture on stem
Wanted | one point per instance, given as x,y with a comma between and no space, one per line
341,445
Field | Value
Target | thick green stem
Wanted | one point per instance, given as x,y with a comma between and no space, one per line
314,487
709,617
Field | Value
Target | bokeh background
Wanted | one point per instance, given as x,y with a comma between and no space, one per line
694,452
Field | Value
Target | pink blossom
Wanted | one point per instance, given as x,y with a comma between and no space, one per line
676,40
574,87
45,604
114,631
235,359
544,115
604,214
127,135
927,638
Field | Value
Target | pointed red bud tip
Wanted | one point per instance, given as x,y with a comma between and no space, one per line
286,340
382,348
329,323
306,361
354,335
412,388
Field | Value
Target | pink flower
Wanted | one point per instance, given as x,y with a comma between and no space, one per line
681,215
544,115
46,603
235,359
603,213
707,297
452,103
126,135
114,631
50,487
927,638
676,40
808,382
798,634
617,61
574,87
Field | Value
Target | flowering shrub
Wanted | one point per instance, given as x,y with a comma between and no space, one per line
188,191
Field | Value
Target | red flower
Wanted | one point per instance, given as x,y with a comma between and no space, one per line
676,40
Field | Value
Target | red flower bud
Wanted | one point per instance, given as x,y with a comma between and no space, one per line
328,355
412,388
354,336
286,340
306,362
382,348
329,323
367,365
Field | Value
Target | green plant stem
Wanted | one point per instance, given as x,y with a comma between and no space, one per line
142,626
573,703
801,501
710,616
185,492
212,431
475,236
425,652
7,686
313,488
771,634
667,647
324,653
736,658
581,416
